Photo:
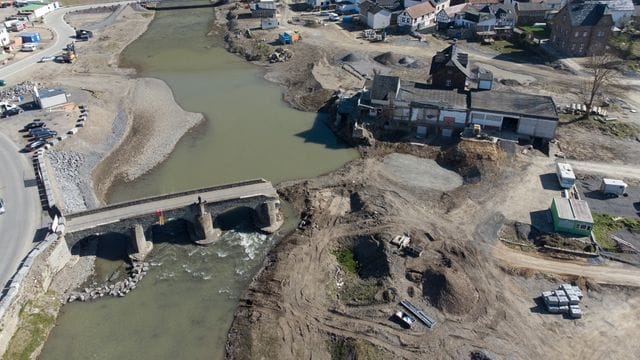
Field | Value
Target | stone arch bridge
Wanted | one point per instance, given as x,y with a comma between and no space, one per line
198,208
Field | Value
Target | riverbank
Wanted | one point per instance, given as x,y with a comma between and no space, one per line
133,124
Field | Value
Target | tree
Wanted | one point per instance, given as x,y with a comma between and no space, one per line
601,74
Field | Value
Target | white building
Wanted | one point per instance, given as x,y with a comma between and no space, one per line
620,10
376,16
47,98
268,23
418,16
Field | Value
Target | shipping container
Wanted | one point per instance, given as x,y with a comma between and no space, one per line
30,37
613,187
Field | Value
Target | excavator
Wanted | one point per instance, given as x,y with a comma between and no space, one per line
69,54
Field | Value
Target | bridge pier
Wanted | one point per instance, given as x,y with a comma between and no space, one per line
141,247
205,233
268,216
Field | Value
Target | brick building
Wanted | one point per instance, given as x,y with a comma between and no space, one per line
450,68
582,29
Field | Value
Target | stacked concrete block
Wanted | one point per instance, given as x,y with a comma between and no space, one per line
564,300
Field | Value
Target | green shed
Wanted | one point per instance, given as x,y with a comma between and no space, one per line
571,216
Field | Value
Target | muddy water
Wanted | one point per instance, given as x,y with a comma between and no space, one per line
251,132
183,308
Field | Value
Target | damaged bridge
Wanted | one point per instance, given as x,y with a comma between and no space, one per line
199,208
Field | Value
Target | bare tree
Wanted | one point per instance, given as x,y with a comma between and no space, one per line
601,74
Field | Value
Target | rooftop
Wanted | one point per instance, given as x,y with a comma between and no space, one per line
533,6
419,10
418,93
46,93
514,103
573,209
383,86
450,57
587,14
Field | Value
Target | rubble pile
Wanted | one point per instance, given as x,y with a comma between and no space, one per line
137,271
15,92
280,55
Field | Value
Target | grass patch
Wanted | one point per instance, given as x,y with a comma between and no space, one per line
35,324
505,47
347,348
605,225
346,260
612,128
538,32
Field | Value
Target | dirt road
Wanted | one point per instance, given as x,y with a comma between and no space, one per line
610,169
612,273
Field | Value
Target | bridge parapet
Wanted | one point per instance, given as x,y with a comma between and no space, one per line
141,217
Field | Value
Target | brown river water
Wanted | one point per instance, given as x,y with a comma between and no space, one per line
184,306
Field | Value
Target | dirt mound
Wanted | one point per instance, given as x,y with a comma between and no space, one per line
418,64
472,159
449,290
406,60
388,58
350,57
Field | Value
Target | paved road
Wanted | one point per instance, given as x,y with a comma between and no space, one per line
22,216
63,33
112,215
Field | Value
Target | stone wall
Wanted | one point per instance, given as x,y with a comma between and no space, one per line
32,279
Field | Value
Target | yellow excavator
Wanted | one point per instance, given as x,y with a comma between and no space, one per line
69,54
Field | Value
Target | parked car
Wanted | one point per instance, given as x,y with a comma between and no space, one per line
2,209
29,47
47,58
334,17
43,132
45,136
39,130
34,145
34,125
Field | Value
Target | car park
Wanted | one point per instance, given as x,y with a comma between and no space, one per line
45,136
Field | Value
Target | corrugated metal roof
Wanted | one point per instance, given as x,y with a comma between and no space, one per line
573,209
514,103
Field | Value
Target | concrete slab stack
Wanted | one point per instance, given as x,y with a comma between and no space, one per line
565,300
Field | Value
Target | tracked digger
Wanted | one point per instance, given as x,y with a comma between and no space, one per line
69,54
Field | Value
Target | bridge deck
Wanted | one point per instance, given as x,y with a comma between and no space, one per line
115,212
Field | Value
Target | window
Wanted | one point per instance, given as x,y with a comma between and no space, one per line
449,83
573,46
576,34
600,33
584,34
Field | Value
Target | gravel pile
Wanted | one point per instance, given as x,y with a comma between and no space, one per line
70,178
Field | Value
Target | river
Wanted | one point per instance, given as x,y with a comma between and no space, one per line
185,305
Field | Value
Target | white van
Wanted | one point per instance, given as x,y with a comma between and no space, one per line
29,47
565,174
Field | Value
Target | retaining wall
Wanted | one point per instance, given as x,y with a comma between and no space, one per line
33,277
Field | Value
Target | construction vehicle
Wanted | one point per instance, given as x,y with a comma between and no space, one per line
83,35
8,109
69,54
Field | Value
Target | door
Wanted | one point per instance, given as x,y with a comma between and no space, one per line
510,124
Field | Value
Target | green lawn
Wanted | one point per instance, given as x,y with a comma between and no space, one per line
539,32
605,225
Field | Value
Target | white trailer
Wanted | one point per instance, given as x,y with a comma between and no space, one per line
613,187
565,174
